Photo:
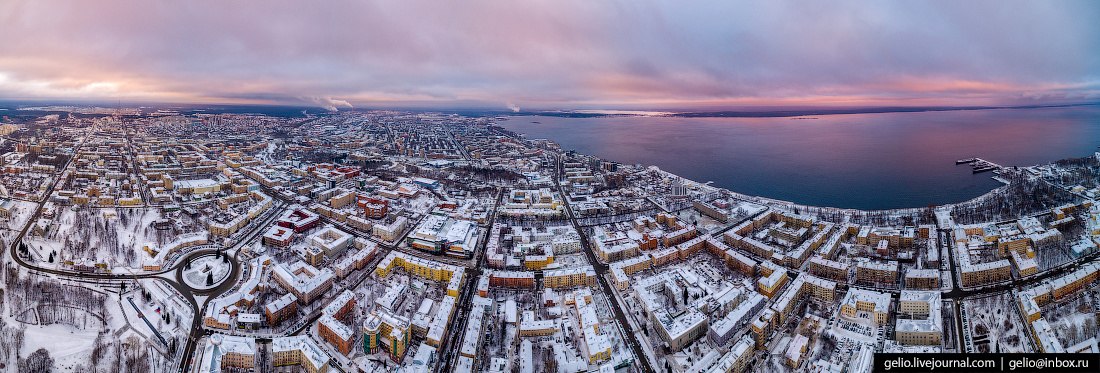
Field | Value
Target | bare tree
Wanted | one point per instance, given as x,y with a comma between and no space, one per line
38,361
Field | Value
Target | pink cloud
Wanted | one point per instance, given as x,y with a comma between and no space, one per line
551,53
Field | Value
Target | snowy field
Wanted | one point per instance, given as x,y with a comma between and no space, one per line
50,323
68,346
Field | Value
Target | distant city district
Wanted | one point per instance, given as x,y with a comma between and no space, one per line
383,241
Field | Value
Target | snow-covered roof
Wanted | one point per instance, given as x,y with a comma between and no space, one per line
309,349
922,273
219,345
472,336
280,303
934,319
880,300
1048,341
338,303
442,318
310,278
342,331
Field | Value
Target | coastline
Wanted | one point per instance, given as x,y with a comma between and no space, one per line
907,160
793,207
789,206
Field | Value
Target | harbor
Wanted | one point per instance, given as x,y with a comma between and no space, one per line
979,165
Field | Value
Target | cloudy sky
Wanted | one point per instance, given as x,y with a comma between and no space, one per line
553,54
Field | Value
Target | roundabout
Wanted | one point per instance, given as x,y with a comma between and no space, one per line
205,271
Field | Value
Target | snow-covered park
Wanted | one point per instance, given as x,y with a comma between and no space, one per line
995,324
111,235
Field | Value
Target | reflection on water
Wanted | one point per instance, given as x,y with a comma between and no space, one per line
867,161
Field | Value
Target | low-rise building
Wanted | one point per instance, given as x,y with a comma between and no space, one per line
829,269
227,353
925,279
281,309
337,334
920,320
303,280
874,304
386,331
331,241
874,272
300,351
571,277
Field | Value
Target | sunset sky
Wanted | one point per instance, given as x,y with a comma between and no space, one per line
553,54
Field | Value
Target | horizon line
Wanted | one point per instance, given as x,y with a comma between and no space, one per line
781,110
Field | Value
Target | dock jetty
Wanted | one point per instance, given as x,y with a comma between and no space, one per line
979,165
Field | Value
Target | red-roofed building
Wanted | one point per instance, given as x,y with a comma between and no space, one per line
300,220
278,236
374,208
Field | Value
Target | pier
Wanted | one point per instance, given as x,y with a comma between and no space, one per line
979,165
